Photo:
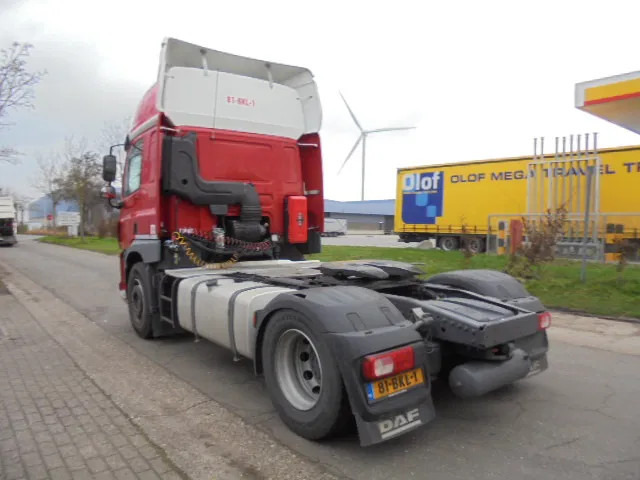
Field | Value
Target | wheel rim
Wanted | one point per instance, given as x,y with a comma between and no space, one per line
448,243
298,369
137,302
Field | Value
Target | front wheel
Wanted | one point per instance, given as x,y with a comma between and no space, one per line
139,300
302,378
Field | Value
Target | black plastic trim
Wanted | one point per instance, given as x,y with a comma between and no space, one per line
181,176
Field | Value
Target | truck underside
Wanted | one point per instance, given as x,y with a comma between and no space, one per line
316,330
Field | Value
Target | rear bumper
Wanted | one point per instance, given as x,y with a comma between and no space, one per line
8,240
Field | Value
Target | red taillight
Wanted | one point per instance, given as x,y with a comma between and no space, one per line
388,363
544,320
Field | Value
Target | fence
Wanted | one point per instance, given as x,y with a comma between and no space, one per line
603,234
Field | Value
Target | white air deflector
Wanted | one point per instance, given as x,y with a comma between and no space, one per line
200,87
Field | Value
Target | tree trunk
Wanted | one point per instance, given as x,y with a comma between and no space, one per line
54,204
82,220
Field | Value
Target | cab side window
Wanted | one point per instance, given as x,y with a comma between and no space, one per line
134,168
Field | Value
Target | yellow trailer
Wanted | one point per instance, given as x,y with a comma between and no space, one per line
451,201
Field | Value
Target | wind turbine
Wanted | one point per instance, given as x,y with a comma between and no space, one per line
363,138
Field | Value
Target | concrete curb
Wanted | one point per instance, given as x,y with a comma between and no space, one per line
198,435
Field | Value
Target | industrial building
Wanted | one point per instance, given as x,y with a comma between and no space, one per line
368,215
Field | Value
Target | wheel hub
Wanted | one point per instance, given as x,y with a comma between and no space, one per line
298,369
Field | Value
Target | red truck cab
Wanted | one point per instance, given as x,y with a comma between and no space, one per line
222,145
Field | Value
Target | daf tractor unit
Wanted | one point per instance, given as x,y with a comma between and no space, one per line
222,196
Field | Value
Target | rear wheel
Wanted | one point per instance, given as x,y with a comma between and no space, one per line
475,244
302,378
139,300
448,244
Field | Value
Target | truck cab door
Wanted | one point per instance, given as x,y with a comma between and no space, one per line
131,194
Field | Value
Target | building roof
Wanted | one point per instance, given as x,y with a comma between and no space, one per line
366,207
42,207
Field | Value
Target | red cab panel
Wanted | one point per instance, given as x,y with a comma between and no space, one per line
297,222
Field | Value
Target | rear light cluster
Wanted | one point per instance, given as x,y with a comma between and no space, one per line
388,363
544,320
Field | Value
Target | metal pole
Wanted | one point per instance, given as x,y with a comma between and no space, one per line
531,179
541,192
364,148
564,172
596,200
571,176
579,179
583,271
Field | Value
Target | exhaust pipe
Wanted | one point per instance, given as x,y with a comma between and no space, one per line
476,378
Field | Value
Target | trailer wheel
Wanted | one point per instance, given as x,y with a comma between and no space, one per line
448,244
139,300
302,378
475,244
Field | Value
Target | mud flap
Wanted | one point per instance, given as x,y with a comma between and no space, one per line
396,424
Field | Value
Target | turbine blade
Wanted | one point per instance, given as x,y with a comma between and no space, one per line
351,112
355,145
391,129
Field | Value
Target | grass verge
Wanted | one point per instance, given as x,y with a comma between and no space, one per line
558,285
106,245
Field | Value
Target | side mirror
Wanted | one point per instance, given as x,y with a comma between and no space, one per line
109,168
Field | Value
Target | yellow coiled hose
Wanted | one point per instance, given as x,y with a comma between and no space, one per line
195,258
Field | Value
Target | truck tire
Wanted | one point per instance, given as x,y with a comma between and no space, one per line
302,378
448,244
475,244
139,300
290,252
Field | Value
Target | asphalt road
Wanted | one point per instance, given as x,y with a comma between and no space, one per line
578,420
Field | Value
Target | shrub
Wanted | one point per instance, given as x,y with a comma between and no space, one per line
542,236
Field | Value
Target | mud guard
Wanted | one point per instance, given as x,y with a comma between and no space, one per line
356,322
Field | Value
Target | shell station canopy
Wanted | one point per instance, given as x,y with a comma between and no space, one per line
615,99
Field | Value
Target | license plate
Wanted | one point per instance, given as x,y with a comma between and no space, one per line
393,385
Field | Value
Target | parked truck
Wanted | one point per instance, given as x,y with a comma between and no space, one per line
8,227
452,202
222,195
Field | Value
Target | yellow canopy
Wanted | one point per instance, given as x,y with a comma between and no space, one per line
615,99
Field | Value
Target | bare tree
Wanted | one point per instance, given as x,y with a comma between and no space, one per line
16,87
20,201
81,179
49,180
114,133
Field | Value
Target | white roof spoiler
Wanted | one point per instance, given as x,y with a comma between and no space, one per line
177,53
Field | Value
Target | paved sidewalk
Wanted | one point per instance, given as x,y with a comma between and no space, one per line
65,354
54,421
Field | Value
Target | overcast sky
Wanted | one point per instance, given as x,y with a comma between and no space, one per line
479,79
